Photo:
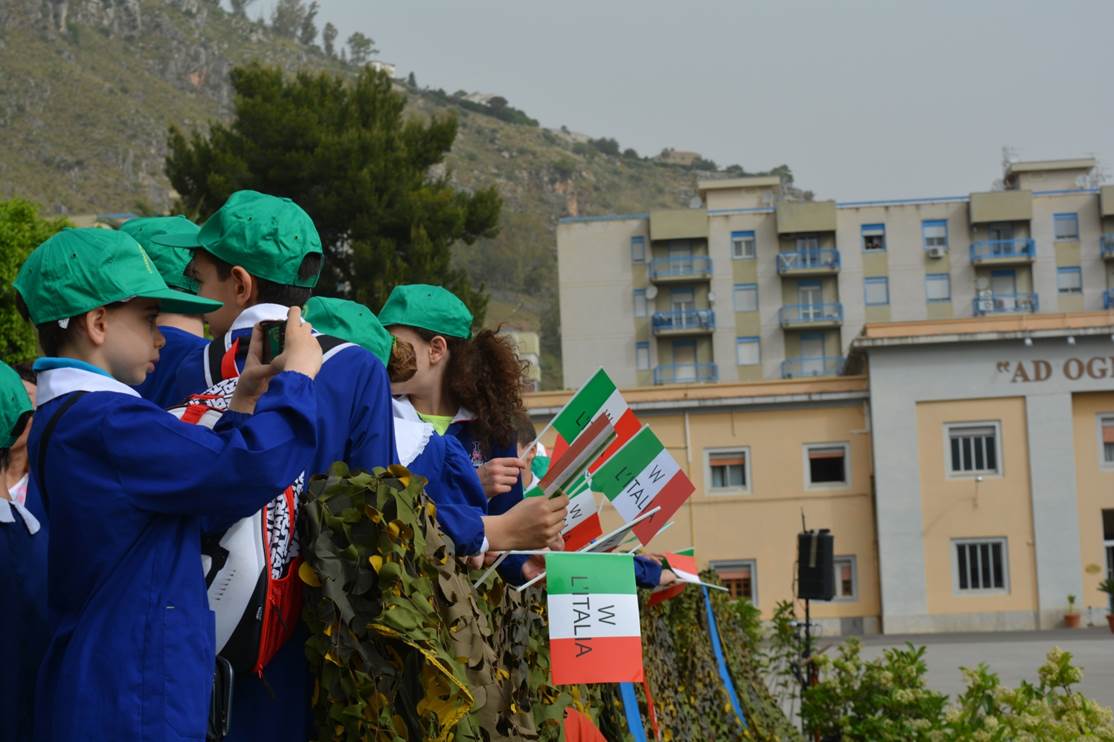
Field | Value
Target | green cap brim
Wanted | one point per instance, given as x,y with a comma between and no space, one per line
178,240
179,302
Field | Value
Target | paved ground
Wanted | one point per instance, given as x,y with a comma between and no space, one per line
1015,656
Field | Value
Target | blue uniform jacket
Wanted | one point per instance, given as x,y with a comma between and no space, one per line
126,486
453,485
159,384
647,572
463,430
353,425
23,624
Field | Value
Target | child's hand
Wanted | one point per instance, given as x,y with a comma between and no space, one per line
301,349
533,523
498,476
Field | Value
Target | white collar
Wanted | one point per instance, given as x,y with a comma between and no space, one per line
252,316
55,382
9,508
411,438
404,410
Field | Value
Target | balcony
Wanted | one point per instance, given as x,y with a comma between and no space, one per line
1108,299
794,316
1006,304
679,269
686,373
684,322
811,261
1003,252
1106,246
805,366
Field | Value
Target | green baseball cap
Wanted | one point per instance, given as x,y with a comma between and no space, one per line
78,270
432,308
351,321
170,262
14,404
267,235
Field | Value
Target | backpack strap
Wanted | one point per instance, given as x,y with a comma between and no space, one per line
40,459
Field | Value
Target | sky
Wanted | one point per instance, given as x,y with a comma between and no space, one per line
863,100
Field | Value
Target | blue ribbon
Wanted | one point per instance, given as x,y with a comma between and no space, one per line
721,664
630,708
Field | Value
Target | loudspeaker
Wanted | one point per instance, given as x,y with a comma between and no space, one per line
815,570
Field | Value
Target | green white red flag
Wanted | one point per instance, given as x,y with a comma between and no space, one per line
598,396
594,631
642,475
683,564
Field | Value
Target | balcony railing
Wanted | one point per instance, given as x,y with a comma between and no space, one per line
1006,304
808,260
1108,303
686,373
683,320
998,251
690,267
1106,246
804,366
811,314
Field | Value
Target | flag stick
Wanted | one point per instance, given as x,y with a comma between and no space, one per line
489,570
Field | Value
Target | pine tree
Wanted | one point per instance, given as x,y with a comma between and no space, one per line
344,150
360,48
328,39
307,34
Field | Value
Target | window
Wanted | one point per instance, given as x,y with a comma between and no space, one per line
981,565
1108,542
727,470
739,577
935,233
743,245
1106,439
642,356
846,578
748,351
1069,280
826,464
874,237
1066,226
808,242
877,292
640,302
938,287
973,449
746,297
638,249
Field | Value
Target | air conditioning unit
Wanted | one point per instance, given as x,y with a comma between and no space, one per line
936,252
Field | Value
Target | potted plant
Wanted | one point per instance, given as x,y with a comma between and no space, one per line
1071,618
1107,586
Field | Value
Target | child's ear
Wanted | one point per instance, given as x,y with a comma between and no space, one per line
95,324
244,286
438,350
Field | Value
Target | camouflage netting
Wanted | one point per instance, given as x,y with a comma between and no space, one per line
403,648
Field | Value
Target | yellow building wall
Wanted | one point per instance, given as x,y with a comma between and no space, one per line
762,522
960,507
1094,490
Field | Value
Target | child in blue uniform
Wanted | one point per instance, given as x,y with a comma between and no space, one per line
259,255
184,333
22,565
469,388
453,483
126,487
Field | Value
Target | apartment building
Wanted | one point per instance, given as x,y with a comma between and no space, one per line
752,285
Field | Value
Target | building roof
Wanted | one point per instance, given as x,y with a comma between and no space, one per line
710,396
881,335
755,181
1034,166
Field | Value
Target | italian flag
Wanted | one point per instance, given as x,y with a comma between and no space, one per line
599,396
566,474
642,474
594,633
683,564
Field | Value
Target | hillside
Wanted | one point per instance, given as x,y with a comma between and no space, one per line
89,87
